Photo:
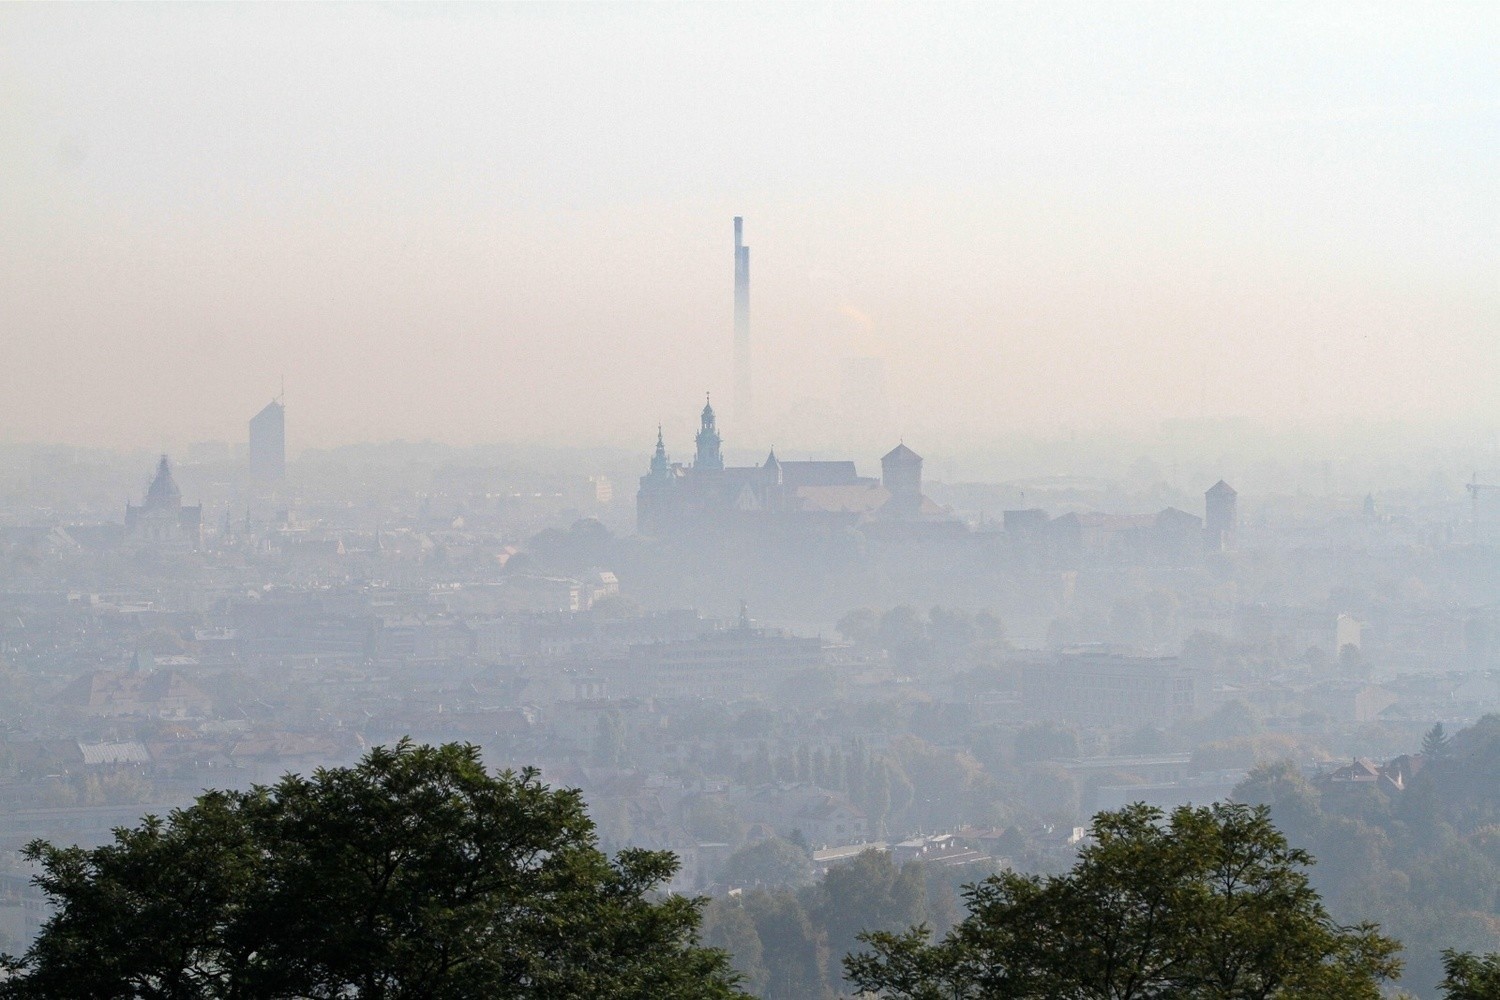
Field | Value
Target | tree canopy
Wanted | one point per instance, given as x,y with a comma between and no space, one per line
1470,977
414,874
1210,903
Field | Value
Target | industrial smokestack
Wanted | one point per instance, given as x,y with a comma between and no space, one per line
741,323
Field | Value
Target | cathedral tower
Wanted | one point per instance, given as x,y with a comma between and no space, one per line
709,456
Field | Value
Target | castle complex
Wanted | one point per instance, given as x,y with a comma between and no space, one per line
676,496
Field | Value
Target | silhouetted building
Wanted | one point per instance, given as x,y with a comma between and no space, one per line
161,519
1221,517
268,443
901,475
675,497
1170,537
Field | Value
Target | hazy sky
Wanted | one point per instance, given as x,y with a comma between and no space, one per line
513,223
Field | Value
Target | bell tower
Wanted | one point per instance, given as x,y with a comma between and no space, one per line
709,456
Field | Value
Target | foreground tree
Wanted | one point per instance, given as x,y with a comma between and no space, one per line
415,874
1470,977
1209,904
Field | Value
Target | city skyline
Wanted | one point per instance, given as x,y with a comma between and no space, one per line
1099,478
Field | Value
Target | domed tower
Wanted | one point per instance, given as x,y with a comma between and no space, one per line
161,518
709,456
163,493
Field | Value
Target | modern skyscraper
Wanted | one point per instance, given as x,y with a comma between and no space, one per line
268,443
742,404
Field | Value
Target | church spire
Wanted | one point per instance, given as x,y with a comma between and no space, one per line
659,465
709,455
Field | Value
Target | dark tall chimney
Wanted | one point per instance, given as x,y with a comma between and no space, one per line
741,322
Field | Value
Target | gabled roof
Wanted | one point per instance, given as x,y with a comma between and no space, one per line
1362,769
901,453
1171,514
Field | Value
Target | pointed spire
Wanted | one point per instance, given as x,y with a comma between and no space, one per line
659,464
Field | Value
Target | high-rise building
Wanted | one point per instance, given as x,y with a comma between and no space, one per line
268,443
742,403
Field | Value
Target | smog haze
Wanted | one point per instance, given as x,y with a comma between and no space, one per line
475,224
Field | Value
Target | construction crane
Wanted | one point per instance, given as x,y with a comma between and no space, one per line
1474,486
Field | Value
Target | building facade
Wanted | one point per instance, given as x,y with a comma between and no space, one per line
1106,688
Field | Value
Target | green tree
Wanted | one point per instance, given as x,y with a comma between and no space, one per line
1209,904
1436,743
1470,977
868,893
796,959
1295,804
903,633
415,873
728,926
860,626
772,862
